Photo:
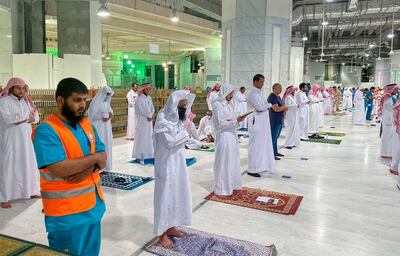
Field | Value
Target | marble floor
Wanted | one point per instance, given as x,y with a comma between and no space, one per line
350,205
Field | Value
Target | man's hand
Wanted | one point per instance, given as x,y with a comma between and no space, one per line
241,119
110,115
101,160
31,118
105,119
285,108
150,119
79,177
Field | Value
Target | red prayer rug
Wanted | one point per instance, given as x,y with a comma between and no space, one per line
287,204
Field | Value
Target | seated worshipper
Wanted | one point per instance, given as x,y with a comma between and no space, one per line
385,113
241,105
19,177
212,95
194,140
144,111
227,174
276,114
69,154
206,130
131,98
292,118
395,165
359,108
369,102
314,112
304,111
172,197
261,152
100,114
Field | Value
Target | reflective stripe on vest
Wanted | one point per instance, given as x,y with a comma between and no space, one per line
60,197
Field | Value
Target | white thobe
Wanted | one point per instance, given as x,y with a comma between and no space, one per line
328,105
347,100
172,196
194,140
359,109
395,151
211,99
260,154
314,114
19,176
302,101
143,144
227,174
131,97
292,122
387,128
321,109
104,129
241,107
205,127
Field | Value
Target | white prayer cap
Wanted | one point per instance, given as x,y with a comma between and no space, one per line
225,90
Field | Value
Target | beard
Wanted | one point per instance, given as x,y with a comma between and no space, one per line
70,115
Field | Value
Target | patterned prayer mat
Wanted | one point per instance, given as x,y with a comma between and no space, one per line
11,246
205,148
245,136
123,181
336,134
247,197
150,161
199,243
325,141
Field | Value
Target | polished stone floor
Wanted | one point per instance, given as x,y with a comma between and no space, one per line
350,205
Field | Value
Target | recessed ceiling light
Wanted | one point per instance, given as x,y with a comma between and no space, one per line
103,11
325,23
390,35
174,18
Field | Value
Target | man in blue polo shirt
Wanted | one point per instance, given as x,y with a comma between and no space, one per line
78,233
276,116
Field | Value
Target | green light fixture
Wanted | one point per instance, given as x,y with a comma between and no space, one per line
126,56
129,62
132,66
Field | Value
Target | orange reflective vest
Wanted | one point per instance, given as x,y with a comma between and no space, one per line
62,198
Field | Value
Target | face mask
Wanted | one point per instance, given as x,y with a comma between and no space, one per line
106,98
182,113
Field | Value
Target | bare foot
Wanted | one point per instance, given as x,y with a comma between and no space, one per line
224,197
5,205
166,242
35,196
175,233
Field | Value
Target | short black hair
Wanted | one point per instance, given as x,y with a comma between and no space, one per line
257,78
241,88
302,85
67,86
373,88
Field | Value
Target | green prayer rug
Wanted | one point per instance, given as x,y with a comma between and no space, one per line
12,246
208,149
325,141
336,134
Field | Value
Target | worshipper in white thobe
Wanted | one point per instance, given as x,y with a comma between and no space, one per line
194,139
227,174
206,130
291,118
261,153
321,97
131,98
18,169
359,117
212,95
172,196
395,165
328,103
100,114
347,103
385,114
304,110
314,111
144,111
241,106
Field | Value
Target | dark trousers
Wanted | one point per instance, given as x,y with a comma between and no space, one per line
276,132
369,112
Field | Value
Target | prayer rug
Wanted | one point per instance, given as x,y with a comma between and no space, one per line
150,161
325,141
205,148
243,129
123,181
336,134
200,243
247,197
40,250
245,136
12,246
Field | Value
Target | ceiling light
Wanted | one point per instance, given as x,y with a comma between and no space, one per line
220,36
363,66
332,57
390,35
322,54
316,60
367,55
8,36
343,64
379,58
164,64
304,38
132,66
325,23
166,69
391,52
174,18
126,56
107,56
129,62
371,45
103,11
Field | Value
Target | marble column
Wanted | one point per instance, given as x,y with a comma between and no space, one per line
212,62
382,72
256,39
6,60
296,66
395,67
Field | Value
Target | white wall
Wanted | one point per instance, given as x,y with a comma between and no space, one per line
395,67
382,72
296,65
351,76
317,73
212,60
5,46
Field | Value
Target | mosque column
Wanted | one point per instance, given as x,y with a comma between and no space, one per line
395,67
256,39
382,72
212,62
79,32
